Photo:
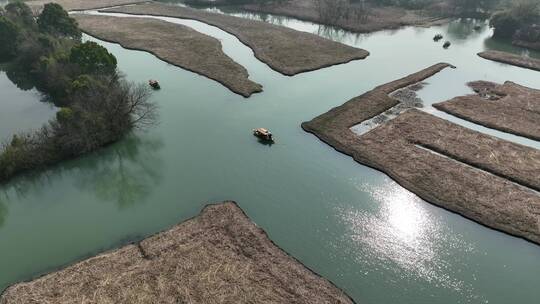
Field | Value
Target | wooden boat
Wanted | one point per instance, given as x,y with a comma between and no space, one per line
154,84
437,37
446,44
263,134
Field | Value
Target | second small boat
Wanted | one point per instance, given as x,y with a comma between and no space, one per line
154,84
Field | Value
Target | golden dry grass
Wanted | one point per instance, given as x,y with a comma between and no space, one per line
508,58
70,5
285,50
173,43
379,17
219,256
491,181
508,107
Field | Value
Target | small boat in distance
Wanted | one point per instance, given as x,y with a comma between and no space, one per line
437,37
263,134
446,44
154,84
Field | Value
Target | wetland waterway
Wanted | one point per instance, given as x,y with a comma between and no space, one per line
350,223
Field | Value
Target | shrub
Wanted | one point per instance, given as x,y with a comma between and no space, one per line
20,13
64,115
55,20
528,34
92,58
505,24
520,15
9,34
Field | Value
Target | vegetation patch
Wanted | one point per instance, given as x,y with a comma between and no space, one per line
520,22
219,256
98,106
486,179
174,43
71,5
512,59
285,50
508,107
356,15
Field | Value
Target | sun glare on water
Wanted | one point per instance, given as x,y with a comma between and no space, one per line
402,230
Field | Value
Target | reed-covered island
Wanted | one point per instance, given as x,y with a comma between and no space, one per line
219,256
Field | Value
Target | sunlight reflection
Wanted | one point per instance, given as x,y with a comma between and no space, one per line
407,220
402,230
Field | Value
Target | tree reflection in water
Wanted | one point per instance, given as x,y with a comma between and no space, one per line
505,45
124,173
340,35
3,212
19,77
460,30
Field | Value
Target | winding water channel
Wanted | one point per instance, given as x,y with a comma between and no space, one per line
350,223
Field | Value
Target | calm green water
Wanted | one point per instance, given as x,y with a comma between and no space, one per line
20,108
352,224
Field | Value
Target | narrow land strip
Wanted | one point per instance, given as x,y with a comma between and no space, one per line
365,106
173,43
71,5
219,256
374,18
491,181
516,60
285,50
508,107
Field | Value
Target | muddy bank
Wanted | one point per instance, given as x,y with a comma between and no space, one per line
71,5
520,61
483,178
173,43
219,256
376,18
508,107
285,50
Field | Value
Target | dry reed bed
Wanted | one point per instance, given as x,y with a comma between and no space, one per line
508,107
486,179
377,17
508,58
285,50
219,256
173,43
71,5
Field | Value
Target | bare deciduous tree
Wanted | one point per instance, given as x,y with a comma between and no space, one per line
331,11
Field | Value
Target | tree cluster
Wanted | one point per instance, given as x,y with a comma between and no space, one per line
519,21
98,106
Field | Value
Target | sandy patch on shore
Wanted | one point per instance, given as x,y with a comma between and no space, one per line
219,256
491,181
508,58
173,43
285,50
508,107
